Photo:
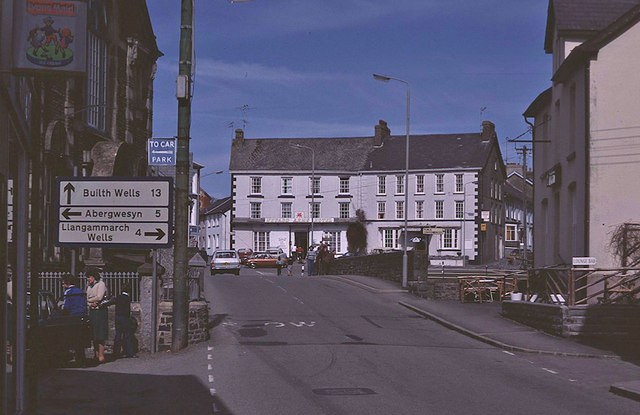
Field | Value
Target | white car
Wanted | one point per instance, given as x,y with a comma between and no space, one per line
225,261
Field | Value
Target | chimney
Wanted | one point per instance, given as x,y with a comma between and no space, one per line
239,137
381,132
488,130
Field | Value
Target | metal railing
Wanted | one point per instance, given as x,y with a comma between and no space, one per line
52,281
576,286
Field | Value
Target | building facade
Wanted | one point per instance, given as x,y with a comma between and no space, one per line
518,201
294,192
215,226
589,118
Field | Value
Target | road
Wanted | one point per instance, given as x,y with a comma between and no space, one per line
300,345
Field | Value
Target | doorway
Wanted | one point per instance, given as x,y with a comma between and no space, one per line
302,239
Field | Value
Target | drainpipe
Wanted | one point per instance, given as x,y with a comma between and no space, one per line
524,188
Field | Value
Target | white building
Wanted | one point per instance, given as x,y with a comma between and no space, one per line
584,186
284,188
215,224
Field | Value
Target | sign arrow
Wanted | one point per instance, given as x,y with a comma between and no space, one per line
69,188
67,213
159,233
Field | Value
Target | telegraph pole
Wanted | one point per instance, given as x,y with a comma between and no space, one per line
524,151
180,333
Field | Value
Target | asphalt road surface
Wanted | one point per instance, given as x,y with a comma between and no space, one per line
301,345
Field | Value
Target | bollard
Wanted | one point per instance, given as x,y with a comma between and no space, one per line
302,272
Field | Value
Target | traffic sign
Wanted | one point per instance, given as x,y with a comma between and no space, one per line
112,212
162,151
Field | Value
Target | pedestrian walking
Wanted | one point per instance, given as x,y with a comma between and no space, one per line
124,325
96,293
320,260
279,264
290,265
329,257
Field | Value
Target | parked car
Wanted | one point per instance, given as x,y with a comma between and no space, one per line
225,261
274,251
262,260
244,254
54,334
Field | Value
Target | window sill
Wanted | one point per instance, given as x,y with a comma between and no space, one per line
286,197
255,196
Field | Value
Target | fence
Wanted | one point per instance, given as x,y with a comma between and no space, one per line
52,281
576,286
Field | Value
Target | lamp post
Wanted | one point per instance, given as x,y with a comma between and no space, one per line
405,261
184,85
464,220
313,179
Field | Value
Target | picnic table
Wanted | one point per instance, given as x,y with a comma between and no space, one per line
480,288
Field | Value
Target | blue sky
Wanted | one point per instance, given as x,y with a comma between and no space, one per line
304,68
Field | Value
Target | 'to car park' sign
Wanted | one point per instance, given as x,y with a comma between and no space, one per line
112,212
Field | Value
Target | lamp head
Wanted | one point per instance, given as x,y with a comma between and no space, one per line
381,78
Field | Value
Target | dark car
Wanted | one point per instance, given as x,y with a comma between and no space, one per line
55,333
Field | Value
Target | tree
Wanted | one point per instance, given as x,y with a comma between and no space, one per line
357,234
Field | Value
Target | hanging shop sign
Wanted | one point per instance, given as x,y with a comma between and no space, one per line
50,36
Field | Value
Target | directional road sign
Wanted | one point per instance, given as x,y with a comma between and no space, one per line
162,151
432,231
113,212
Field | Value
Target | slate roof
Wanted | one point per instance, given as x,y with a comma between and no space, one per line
583,17
353,154
218,206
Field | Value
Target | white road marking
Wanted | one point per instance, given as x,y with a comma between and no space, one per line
573,380
509,353
282,289
209,367
209,357
210,378
298,300
275,323
303,323
212,391
550,371
209,348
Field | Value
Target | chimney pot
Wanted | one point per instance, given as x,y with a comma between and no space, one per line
488,130
239,136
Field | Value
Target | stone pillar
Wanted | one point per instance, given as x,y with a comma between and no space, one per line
146,303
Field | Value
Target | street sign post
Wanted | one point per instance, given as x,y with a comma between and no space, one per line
10,211
584,261
162,151
113,212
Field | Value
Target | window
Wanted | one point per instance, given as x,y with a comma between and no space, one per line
260,241
439,183
449,239
399,185
382,185
439,209
286,210
314,210
382,207
390,238
420,183
459,183
315,185
419,209
511,233
333,240
343,210
256,210
256,185
96,82
492,189
400,209
344,185
287,187
459,209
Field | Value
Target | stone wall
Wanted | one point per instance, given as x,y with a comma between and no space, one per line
198,323
387,266
597,323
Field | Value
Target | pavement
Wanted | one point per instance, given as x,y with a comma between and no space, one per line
484,322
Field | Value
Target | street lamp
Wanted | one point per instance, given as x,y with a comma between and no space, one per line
384,78
313,177
464,220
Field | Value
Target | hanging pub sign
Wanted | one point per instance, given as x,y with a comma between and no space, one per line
50,36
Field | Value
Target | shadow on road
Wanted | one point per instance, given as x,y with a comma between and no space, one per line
88,392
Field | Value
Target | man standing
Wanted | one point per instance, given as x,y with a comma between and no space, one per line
311,257
75,302
124,325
